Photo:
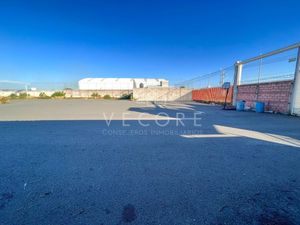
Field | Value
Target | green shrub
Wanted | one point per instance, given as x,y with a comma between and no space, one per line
107,97
95,95
126,96
4,100
23,95
43,95
58,94
13,96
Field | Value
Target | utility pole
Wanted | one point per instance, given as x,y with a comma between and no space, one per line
222,77
258,79
259,70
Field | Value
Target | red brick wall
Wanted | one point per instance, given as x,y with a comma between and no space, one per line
216,95
275,95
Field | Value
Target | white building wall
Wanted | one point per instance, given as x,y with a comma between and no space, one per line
118,83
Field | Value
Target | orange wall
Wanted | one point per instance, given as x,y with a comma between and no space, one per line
216,95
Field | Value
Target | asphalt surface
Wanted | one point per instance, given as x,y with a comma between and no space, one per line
227,168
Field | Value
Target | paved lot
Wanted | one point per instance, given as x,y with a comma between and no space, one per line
70,109
74,167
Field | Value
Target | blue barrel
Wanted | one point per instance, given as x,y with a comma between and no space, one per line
259,107
240,105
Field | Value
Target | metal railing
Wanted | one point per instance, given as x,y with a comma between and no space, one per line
278,65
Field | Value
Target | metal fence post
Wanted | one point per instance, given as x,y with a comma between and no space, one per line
295,101
237,80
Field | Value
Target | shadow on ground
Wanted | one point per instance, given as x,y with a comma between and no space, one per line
85,172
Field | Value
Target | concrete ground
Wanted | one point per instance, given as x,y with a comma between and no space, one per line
65,162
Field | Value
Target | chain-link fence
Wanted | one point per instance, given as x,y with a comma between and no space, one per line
214,79
268,78
268,81
277,67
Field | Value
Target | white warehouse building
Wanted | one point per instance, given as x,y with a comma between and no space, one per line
120,83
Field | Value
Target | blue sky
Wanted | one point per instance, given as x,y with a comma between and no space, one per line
68,40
